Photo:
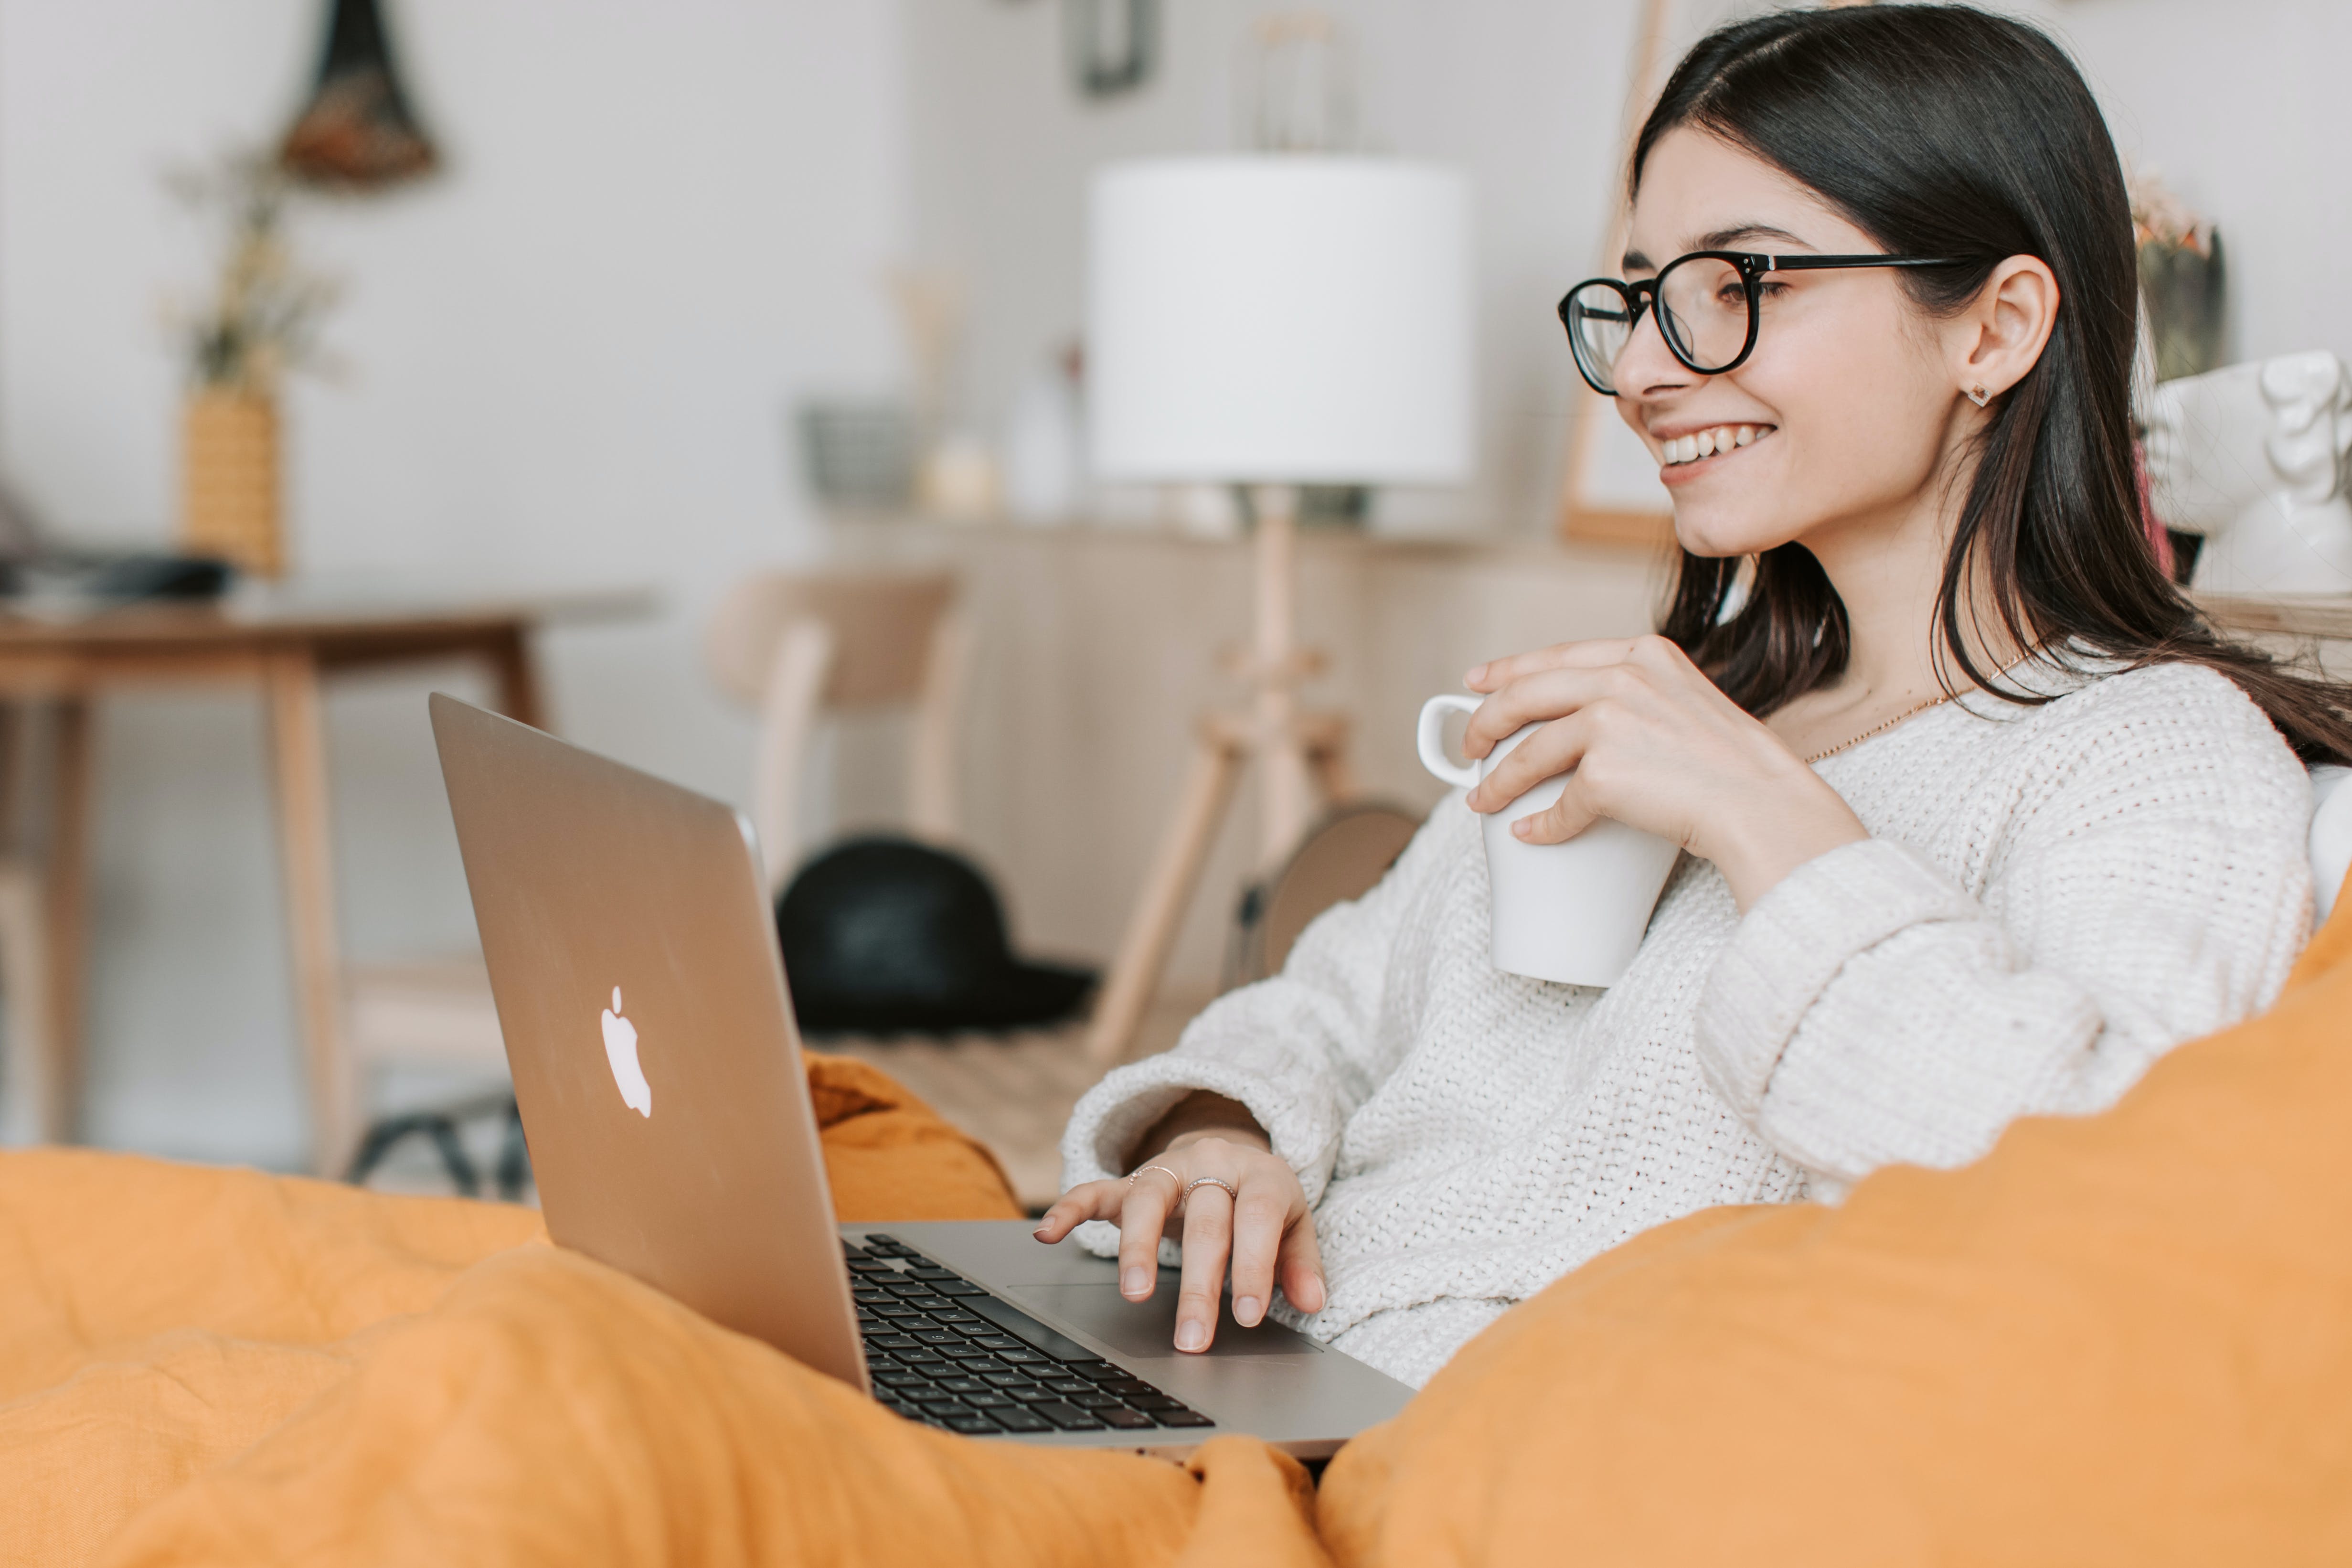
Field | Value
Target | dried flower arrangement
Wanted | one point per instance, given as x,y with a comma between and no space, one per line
260,322
262,317
2180,278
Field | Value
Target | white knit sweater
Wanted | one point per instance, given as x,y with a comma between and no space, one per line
2052,898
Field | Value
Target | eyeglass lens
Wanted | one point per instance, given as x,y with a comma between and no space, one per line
1703,311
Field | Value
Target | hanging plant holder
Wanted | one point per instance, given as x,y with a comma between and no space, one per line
357,132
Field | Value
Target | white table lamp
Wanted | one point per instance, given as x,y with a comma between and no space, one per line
1273,321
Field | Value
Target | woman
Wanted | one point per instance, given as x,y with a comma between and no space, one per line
1980,816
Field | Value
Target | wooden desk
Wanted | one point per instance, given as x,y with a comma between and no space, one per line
281,640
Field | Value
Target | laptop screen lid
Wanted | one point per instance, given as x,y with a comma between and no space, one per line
633,958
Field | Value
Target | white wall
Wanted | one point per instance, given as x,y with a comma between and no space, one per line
572,356
2242,105
2244,109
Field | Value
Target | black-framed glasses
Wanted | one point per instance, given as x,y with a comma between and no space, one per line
1708,306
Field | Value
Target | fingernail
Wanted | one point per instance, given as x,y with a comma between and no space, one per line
1477,673
1192,1334
1247,1309
1135,1282
1523,828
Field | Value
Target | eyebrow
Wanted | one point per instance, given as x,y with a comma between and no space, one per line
1721,240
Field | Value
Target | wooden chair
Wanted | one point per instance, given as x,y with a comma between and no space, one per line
794,647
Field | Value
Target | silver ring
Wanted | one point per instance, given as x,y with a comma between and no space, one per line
1162,1170
1231,1191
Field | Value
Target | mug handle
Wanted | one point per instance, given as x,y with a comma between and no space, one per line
1429,737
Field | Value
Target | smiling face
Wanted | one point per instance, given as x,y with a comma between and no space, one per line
1845,415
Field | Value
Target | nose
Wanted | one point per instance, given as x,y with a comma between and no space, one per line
1646,367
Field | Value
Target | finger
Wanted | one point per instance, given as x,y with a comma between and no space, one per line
1591,654
1555,694
1208,1238
1141,1219
1563,819
1300,1265
1259,1216
1087,1200
1554,750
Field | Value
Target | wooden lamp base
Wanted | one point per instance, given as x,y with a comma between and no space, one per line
1299,755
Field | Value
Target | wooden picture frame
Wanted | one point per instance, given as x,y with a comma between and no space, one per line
1601,500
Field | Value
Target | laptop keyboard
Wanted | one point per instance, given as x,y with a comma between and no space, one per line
944,1352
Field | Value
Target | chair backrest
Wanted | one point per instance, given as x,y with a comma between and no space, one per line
1341,858
794,645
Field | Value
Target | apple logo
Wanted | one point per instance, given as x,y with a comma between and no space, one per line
621,1051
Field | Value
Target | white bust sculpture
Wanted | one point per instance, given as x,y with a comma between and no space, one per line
2256,457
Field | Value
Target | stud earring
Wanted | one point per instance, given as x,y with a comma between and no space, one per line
1979,396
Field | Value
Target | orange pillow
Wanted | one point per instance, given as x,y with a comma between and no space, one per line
2119,1339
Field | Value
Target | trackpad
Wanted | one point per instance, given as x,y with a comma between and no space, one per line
1149,1328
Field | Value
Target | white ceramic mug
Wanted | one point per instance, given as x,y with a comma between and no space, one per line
1573,912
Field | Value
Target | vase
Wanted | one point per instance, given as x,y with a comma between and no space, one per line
229,496
2184,290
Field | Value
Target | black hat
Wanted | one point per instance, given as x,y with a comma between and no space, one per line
886,935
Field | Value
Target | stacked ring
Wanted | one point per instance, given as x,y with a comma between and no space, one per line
1231,1191
1162,1169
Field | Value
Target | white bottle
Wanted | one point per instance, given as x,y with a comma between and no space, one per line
1043,449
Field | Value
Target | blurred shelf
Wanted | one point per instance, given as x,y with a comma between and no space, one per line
2328,617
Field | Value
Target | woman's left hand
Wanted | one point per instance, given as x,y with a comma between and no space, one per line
1655,745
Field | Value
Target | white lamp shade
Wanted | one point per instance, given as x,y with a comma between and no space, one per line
1299,320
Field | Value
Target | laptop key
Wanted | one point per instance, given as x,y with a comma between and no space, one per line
1068,1386
939,1338
1125,1420
1028,1330
1181,1418
1000,1342
1097,1400
1068,1418
941,1403
1033,1395
1155,1401
991,1400
960,1385
1018,1420
1127,1385
894,1342
1005,1379
971,1424
926,1304
1023,1358
960,1288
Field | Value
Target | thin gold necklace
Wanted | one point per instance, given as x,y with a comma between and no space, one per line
1881,729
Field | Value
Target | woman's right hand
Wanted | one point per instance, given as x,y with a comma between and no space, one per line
1266,1232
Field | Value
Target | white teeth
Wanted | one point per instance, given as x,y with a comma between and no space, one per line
1707,443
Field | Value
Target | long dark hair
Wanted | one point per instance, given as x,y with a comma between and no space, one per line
1943,130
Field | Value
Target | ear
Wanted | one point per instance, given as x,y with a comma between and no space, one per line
2000,335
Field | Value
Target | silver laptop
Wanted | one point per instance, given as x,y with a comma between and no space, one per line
632,954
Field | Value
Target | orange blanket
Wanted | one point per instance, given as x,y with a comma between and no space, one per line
207,1367
2123,1339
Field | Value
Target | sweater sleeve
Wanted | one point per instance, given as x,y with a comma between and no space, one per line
1303,1049
1874,1008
